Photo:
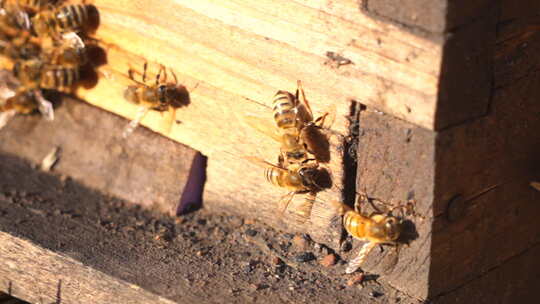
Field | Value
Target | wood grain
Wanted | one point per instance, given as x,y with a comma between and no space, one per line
287,40
147,169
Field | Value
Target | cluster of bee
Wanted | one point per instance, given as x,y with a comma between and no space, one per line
303,146
45,45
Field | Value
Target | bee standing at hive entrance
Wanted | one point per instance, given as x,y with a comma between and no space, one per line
162,96
374,229
299,135
297,178
294,118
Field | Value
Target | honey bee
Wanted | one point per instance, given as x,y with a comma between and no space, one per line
36,74
375,229
162,96
299,135
64,22
297,178
15,99
20,48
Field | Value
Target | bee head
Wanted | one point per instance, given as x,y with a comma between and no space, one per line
392,228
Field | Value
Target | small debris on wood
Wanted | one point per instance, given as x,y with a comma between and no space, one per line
304,257
329,260
356,279
337,60
276,261
50,159
300,243
251,232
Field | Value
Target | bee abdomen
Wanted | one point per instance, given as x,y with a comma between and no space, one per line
284,109
354,223
59,77
273,177
72,17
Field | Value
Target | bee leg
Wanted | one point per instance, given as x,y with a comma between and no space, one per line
144,72
301,97
164,73
285,201
44,106
174,76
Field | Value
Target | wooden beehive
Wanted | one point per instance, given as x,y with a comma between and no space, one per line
448,120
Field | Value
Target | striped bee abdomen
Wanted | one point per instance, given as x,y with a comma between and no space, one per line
73,17
59,77
285,111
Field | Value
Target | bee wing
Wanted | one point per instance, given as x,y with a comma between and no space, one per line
355,263
535,185
73,40
45,107
261,162
8,84
135,122
263,125
6,116
285,201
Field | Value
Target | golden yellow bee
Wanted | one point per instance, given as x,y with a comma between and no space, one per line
299,135
57,21
297,179
37,74
374,229
162,96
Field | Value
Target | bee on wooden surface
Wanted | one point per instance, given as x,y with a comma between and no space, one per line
36,74
296,178
299,135
63,22
374,229
15,99
162,96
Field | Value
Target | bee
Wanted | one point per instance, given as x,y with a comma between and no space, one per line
375,229
296,178
64,22
36,74
299,135
162,96
20,48
15,99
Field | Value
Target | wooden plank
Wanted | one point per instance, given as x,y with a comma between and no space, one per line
288,41
427,15
146,169
489,162
62,242
512,282
396,164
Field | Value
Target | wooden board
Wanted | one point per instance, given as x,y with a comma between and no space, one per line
488,162
65,243
206,42
428,16
147,169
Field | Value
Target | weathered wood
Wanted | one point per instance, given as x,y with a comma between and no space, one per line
288,41
512,282
487,162
64,243
145,169
428,16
